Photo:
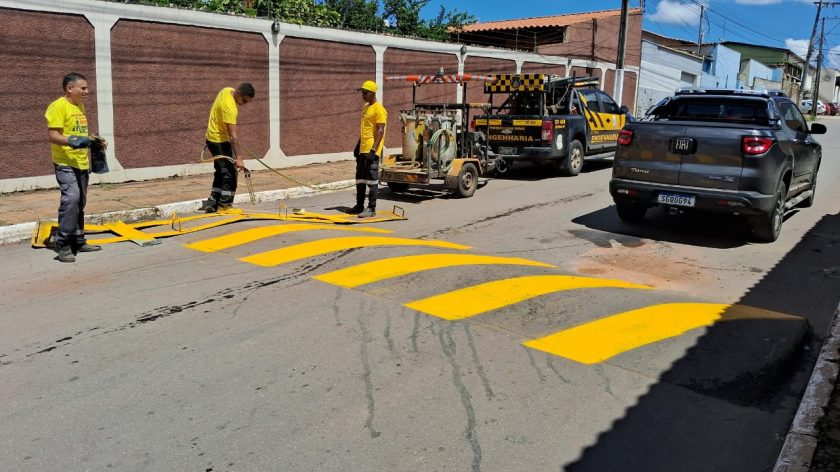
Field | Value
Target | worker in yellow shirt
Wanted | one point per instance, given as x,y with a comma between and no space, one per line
369,150
69,139
223,143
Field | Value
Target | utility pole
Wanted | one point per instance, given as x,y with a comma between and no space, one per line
810,51
817,78
700,30
622,51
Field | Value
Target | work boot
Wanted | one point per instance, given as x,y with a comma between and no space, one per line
89,248
207,206
65,254
367,213
356,210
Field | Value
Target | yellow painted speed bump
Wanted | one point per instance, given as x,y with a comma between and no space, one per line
382,269
131,231
324,246
254,234
471,301
599,340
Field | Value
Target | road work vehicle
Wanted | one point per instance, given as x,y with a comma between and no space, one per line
436,142
727,151
550,119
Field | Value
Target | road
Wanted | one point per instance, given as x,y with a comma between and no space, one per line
526,328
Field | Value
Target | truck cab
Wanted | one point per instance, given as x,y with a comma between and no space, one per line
549,119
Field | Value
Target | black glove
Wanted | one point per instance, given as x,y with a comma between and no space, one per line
356,150
98,143
372,155
76,141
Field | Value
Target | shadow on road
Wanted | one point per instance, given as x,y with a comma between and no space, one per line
727,404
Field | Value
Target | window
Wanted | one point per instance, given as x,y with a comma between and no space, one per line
713,109
608,105
591,100
792,117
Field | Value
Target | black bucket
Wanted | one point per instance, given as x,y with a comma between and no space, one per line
98,162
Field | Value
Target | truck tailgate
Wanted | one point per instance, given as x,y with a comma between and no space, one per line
648,157
717,159
508,135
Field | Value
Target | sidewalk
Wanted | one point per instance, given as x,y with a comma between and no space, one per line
132,201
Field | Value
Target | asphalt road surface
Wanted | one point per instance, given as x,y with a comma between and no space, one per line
526,328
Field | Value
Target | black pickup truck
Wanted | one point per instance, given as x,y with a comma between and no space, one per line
549,119
750,153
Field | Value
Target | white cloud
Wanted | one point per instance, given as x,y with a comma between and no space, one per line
758,2
675,13
797,46
833,57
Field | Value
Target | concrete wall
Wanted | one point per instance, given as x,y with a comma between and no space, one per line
663,71
755,74
155,71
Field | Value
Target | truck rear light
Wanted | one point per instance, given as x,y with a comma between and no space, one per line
472,126
626,191
548,131
625,137
729,203
755,145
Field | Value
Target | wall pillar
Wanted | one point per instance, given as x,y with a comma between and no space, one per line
274,41
102,24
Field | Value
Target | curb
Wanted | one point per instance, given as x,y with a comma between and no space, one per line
801,441
19,232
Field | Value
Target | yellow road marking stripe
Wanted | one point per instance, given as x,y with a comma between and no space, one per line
255,234
602,339
476,299
324,246
382,269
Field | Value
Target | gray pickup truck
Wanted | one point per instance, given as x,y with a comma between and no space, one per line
749,153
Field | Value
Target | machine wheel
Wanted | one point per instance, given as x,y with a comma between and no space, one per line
574,161
630,212
397,186
467,180
767,228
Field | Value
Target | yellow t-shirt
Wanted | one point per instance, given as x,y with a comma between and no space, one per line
224,111
372,115
70,119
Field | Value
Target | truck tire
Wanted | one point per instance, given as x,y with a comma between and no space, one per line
630,212
574,160
766,228
397,186
467,180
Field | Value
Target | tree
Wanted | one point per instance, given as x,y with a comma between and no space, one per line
403,16
439,27
362,15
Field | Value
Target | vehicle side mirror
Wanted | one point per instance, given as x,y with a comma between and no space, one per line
818,128
623,109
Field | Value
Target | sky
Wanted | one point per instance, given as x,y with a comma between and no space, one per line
777,23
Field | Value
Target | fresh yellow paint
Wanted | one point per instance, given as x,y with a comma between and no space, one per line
476,299
254,234
602,339
324,246
382,269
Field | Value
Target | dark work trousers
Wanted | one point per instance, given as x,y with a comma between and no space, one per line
71,211
367,175
224,179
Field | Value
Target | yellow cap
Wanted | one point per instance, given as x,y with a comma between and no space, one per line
368,86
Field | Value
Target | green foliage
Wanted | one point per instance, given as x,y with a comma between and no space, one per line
401,17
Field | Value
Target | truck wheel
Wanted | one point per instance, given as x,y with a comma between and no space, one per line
574,161
630,212
397,186
767,228
809,202
467,180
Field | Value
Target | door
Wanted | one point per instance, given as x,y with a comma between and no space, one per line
799,141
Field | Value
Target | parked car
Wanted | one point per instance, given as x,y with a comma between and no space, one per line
747,153
831,108
805,107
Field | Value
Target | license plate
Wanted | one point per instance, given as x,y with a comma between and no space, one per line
676,199
507,150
